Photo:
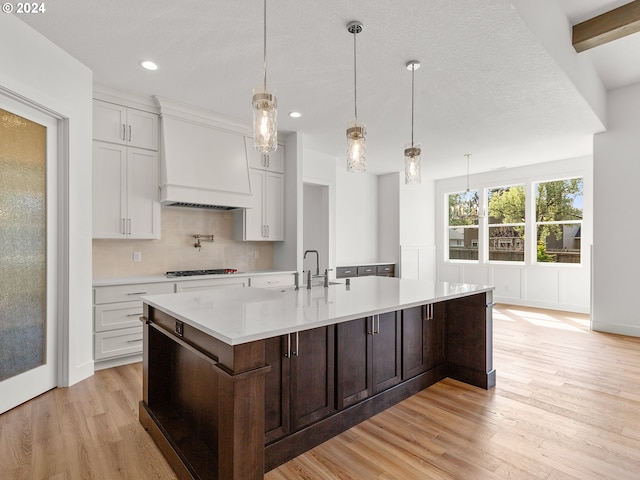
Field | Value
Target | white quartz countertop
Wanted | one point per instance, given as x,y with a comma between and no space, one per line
103,282
241,315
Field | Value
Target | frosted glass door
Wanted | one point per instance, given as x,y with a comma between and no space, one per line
26,351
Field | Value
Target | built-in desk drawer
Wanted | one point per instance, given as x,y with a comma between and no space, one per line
367,270
346,272
385,270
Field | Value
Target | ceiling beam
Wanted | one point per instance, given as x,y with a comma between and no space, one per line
607,27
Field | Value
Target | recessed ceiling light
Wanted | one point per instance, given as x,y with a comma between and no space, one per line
149,65
295,114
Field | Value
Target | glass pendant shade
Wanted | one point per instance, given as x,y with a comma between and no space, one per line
356,147
265,113
412,170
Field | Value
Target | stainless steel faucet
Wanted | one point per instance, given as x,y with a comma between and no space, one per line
317,260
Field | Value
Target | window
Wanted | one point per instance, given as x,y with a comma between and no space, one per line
506,223
463,225
559,220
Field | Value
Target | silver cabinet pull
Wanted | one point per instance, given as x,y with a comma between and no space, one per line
123,230
134,314
287,352
370,324
134,341
296,351
376,328
129,226
124,138
137,293
129,132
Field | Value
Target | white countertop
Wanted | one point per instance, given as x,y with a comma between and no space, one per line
240,315
103,282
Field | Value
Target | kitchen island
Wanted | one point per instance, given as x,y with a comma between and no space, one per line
239,381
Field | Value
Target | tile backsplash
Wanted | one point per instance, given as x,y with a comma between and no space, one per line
175,250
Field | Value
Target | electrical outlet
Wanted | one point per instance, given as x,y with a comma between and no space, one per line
137,256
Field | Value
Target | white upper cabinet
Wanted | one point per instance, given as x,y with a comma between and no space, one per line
273,162
125,126
125,192
264,222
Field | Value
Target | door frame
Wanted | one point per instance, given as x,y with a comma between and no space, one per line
57,179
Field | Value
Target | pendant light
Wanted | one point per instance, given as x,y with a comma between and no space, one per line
356,146
265,129
412,171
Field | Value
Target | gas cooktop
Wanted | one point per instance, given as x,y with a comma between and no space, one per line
190,273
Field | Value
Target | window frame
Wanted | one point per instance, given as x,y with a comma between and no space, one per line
536,224
489,226
476,226
530,224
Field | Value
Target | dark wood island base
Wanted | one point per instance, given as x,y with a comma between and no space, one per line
218,411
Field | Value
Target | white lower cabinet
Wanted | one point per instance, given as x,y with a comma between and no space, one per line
117,308
116,321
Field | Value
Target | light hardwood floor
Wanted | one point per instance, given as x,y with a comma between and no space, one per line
566,406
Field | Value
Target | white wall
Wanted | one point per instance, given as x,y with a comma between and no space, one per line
556,286
37,70
316,226
287,255
616,263
319,169
356,217
417,228
389,218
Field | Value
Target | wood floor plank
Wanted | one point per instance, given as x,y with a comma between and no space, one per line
566,407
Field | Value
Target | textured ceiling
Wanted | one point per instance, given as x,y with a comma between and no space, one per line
486,87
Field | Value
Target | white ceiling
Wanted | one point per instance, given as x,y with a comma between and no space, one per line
487,86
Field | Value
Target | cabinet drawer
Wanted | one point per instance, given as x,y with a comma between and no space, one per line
116,343
113,316
127,293
346,272
203,285
366,270
271,281
386,270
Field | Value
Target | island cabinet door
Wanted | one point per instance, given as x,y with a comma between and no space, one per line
354,341
386,351
277,419
368,358
422,339
435,335
312,376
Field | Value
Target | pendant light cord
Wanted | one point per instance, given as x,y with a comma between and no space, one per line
264,63
355,76
467,155
413,72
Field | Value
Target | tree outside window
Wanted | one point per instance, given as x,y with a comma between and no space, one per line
559,206
463,225
506,223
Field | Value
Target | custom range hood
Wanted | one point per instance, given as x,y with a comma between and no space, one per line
203,159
